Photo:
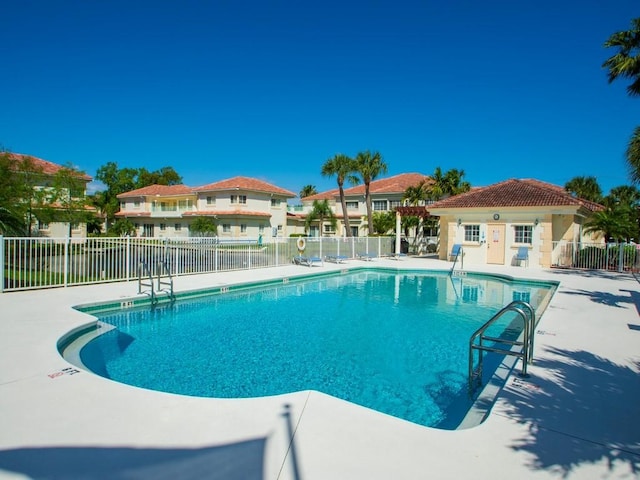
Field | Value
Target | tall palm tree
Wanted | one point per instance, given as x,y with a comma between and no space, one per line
448,184
439,186
343,167
586,188
320,212
416,194
369,165
626,63
623,195
307,191
454,182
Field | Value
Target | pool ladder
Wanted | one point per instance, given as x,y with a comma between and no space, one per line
524,311
145,279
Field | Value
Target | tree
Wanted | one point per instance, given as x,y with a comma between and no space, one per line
204,227
586,188
626,64
369,165
448,184
417,194
122,227
623,195
628,198
344,168
307,191
11,223
616,223
383,222
24,188
320,212
67,202
454,182
121,180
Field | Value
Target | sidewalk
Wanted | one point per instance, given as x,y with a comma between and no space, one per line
577,416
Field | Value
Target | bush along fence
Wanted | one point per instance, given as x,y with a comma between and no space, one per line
33,263
618,257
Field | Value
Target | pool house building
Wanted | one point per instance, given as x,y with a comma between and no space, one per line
515,222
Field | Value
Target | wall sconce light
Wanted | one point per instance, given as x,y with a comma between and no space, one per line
459,221
536,222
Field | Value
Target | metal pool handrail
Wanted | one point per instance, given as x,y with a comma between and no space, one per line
524,311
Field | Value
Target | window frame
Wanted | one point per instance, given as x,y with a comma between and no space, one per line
379,202
523,234
472,233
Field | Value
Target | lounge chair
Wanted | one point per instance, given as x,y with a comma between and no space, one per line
455,251
308,261
336,258
367,257
522,255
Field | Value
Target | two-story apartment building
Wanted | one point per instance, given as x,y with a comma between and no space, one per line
40,175
386,195
240,207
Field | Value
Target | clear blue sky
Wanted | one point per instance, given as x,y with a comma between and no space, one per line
271,89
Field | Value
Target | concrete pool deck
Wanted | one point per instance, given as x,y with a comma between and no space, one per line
577,416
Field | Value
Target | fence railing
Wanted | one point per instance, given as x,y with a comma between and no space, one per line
32,263
596,256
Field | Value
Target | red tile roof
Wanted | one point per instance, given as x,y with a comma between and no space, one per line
515,193
48,168
164,190
396,184
328,195
245,183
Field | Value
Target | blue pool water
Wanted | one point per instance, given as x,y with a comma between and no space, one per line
394,342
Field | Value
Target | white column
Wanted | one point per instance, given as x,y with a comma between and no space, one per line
398,228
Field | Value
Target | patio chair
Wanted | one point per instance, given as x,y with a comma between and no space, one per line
307,261
522,255
336,258
367,257
455,251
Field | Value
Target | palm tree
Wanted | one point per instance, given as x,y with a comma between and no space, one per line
307,191
448,184
343,167
586,188
383,222
614,223
369,165
454,182
439,185
623,195
319,212
416,194
626,63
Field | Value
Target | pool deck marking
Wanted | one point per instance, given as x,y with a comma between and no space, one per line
581,424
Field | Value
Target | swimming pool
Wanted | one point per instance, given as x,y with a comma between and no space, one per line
396,342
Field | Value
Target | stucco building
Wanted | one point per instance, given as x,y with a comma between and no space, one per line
492,223
240,207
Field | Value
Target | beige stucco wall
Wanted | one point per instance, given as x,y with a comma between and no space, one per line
547,227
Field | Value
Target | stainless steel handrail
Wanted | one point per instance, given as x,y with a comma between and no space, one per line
143,268
455,259
163,269
524,311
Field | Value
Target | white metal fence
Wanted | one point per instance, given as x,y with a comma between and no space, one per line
596,256
32,263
